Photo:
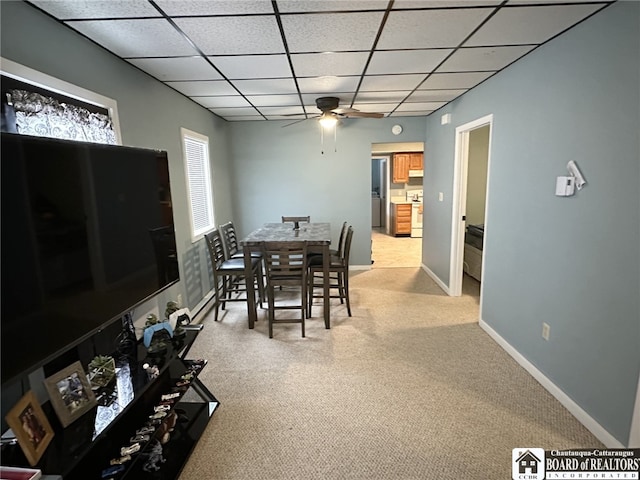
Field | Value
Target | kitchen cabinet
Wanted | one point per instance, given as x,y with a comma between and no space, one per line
416,161
403,162
401,219
401,167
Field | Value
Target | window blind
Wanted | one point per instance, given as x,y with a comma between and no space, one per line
196,153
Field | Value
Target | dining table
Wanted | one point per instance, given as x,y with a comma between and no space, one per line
318,238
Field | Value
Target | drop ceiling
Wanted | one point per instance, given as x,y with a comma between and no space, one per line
270,60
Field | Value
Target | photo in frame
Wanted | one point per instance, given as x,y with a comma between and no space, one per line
70,393
30,426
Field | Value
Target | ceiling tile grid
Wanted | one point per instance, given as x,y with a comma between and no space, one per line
270,60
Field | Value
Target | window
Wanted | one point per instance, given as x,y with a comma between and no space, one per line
198,171
34,103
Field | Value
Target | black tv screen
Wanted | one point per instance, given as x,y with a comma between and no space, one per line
87,234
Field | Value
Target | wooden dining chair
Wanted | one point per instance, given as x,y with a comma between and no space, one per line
339,265
230,240
286,265
228,274
232,249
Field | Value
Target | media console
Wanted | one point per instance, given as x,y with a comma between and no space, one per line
164,412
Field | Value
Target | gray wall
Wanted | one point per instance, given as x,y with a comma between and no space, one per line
150,114
281,171
571,262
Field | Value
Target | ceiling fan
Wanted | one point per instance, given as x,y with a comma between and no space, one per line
331,113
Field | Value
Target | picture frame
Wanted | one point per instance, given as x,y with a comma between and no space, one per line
30,426
70,393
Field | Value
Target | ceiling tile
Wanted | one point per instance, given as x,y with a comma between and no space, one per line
410,114
297,110
217,7
221,101
430,28
328,84
262,87
409,61
375,107
454,80
390,82
204,88
516,2
520,25
253,66
136,38
483,58
274,100
399,4
330,5
329,63
77,9
244,118
178,68
420,106
329,44
242,35
434,95
382,97
331,32
234,112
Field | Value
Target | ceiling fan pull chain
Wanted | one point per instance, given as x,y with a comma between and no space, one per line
321,140
335,137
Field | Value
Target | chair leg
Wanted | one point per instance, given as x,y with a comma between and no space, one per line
217,303
346,291
271,313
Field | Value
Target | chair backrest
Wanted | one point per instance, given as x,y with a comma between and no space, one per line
229,238
296,219
343,233
347,246
215,247
285,261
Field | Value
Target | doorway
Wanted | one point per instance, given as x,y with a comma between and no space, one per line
470,193
388,250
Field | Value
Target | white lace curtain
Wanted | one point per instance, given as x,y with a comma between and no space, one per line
44,116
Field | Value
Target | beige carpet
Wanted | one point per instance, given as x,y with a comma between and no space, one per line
408,388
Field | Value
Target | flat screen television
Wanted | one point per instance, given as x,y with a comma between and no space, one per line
87,234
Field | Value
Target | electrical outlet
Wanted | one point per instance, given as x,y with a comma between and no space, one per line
546,330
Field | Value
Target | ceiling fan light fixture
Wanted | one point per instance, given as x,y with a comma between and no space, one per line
327,120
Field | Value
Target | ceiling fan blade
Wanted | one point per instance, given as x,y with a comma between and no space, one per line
362,114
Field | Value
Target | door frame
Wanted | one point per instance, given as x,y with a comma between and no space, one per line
458,210
385,168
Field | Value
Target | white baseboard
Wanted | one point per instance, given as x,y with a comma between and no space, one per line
436,279
359,267
583,417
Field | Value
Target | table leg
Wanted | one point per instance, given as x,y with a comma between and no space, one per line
251,294
326,261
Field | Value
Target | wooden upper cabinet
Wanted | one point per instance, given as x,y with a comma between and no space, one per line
401,163
416,161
